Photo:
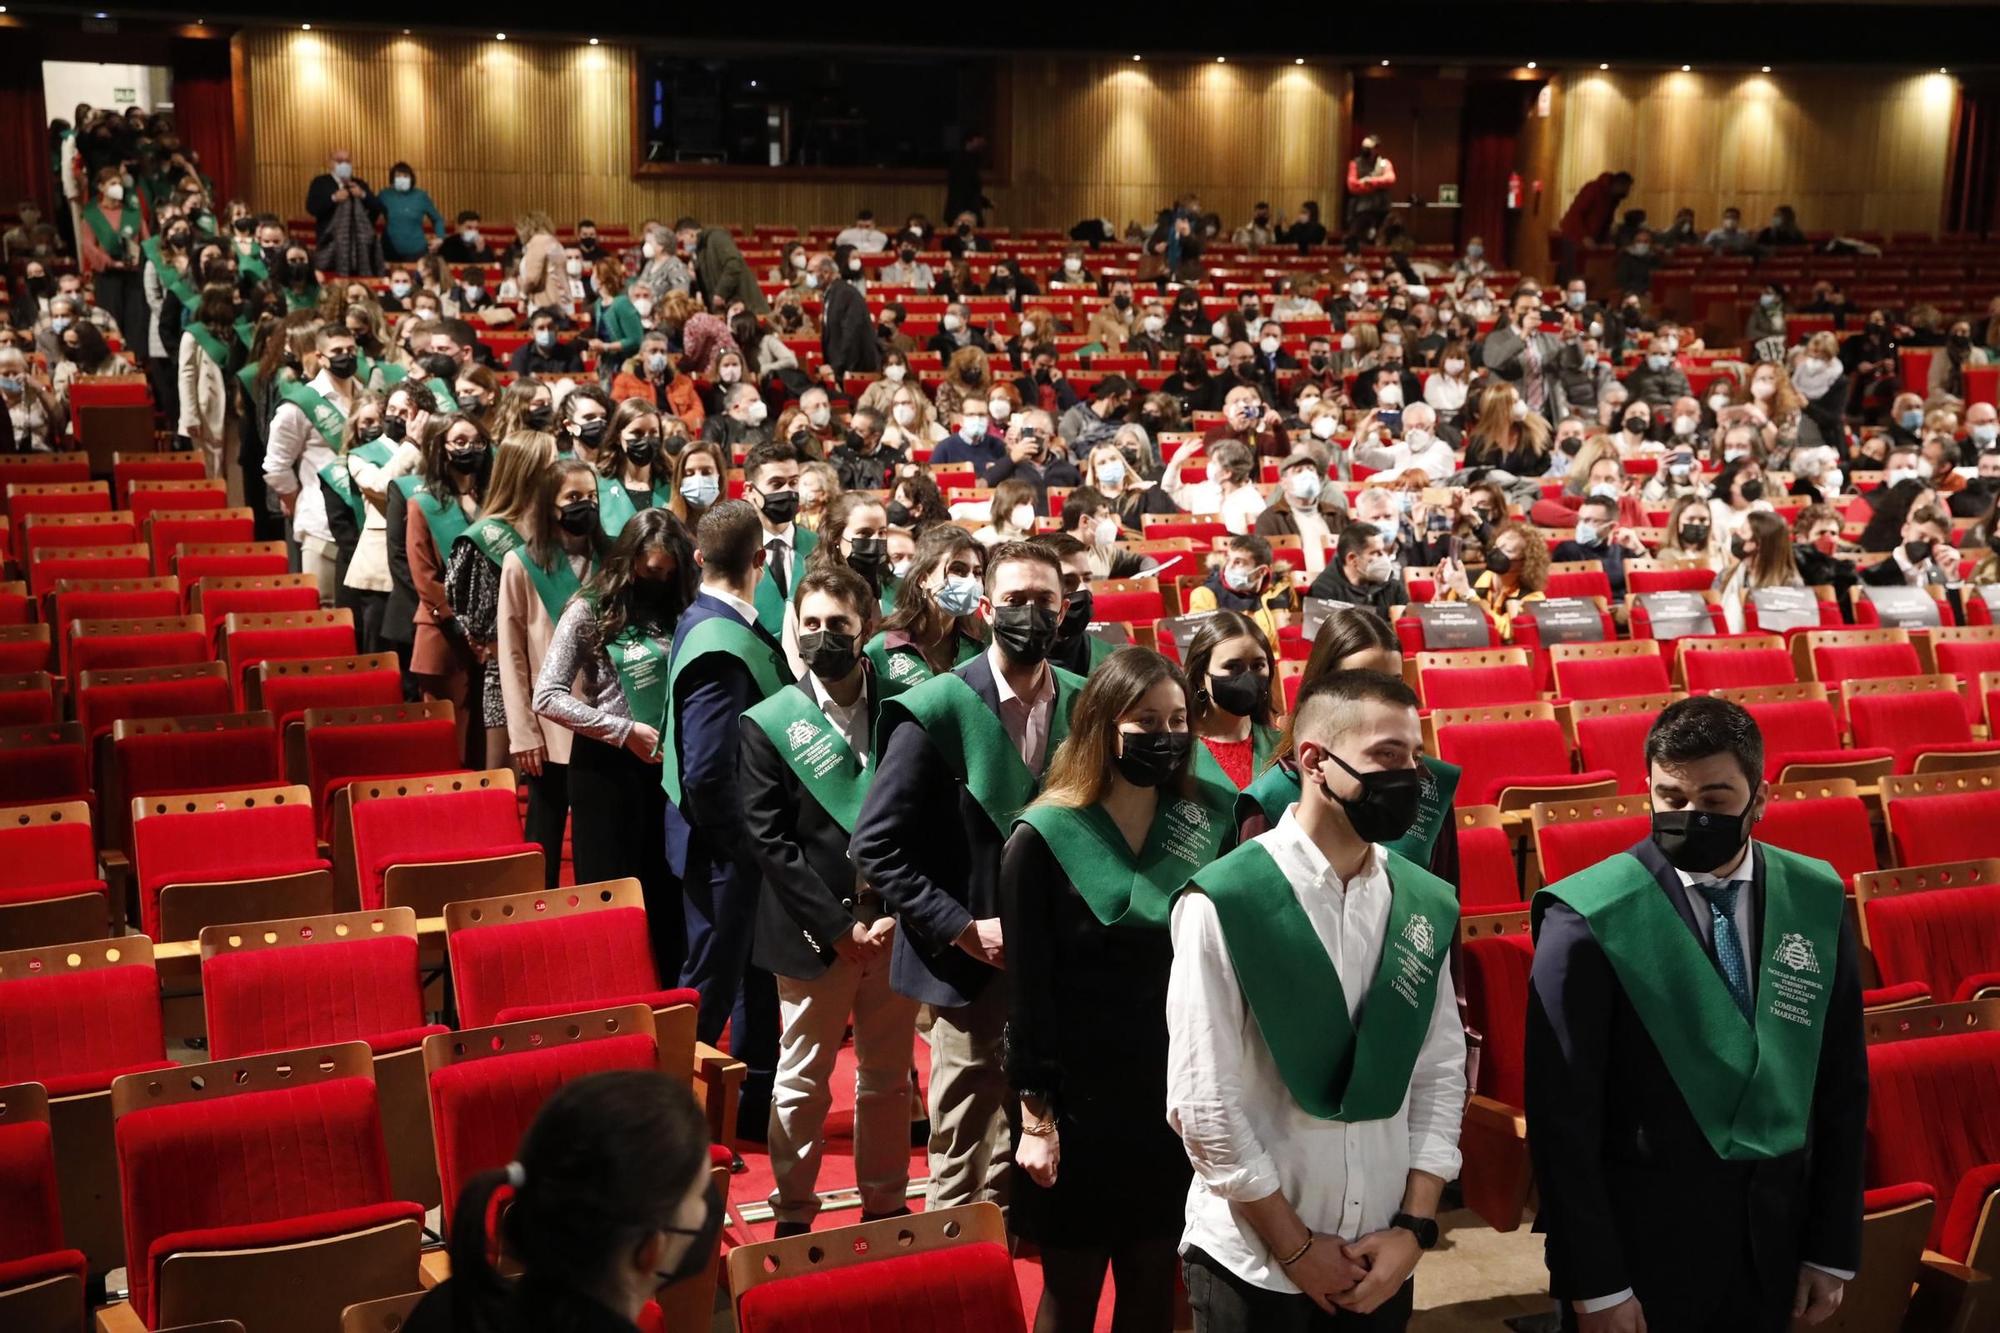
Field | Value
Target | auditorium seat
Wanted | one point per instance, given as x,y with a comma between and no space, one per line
1512,755
50,889
425,841
25,648
47,568
1945,816
258,1189
1616,670
1488,880
319,980
40,765
41,1277
1920,718
1823,817
1646,576
1802,734
72,600
1936,925
1968,653
1574,835
95,645
160,495
152,756
16,606
199,560
344,745
227,856
134,467
947,1271
40,534
214,597
27,697
167,531
1135,601
1496,955
1474,678
74,1017
1833,656
1611,735
286,689
1733,662
247,639
1409,628
117,694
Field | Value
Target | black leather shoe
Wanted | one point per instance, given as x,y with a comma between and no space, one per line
786,1230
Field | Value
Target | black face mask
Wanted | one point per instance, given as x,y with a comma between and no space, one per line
395,428
1698,841
577,517
1918,552
587,245
1122,302
1635,424
651,598
466,460
1244,695
1317,362
1694,534
642,451
1573,445
1736,548
370,434
867,554
828,654
1751,491
301,271
274,259
438,366
1387,805
780,507
1077,609
1150,758
540,418
907,256
1025,633
1498,561
701,1250
342,366
590,432
898,514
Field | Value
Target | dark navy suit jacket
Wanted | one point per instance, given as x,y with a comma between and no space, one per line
710,697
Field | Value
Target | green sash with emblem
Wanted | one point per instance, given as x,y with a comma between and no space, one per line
1749,1084
818,755
388,375
554,586
445,520
1127,888
1263,744
111,237
641,663
898,669
1334,1068
171,279
717,634
1278,786
218,350
327,419
770,603
614,504
494,537
336,475
250,264
975,745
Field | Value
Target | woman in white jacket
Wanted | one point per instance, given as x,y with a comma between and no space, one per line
406,415
207,360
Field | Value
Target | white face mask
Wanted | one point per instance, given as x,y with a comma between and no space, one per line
1763,389
1324,427
1684,425
1269,346
894,374
819,416
1072,265
758,411
1304,487
114,192
798,261
1358,290
1107,528
650,250
1022,519
1347,343
1390,395
643,304
905,415
730,374
1027,328
1154,323
1832,480
470,236
402,182
901,568
1717,401
953,323
1520,411
1417,438
972,428
1000,408
573,267
1454,365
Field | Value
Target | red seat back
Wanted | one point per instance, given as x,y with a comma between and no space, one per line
212,752
1618,743
27,697
439,825
1968,661
1908,723
1611,677
969,1288
1866,661
1497,755
1487,880
50,567
31,1223
220,845
153,497
1794,726
1944,938
1736,670
339,754
1959,826
314,994
43,764
1835,829
250,639
167,531
1496,969
74,1028
163,467
1695,579
166,641
569,959
1475,687
287,689
41,855
229,559
1909,1139
105,697
1573,845
217,597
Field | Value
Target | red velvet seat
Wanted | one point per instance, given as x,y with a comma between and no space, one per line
27,697
73,1027
117,694
962,1289
1834,828
1705,671
249,639
129,468
1487,878
1498,755
1613,676
1967,659
1140,606
1616,742
161,495
198,560
209,752
43,764
215,597
346,745
1803,731
1957,826
25,648
226,838
32,1249
1496,971
167,531
1476,687
95,645
1569,845
1934,1118
107,599
440,820
1914,724
1945,937
1868,661
48,854
1641,581
41,533
286,689
328,989
52,565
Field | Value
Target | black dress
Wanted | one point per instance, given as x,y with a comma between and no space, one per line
1087,1030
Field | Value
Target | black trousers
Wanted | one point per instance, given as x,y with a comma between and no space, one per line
1224,1303
122,295
618,814
548,812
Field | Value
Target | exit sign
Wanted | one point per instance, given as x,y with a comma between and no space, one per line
125,96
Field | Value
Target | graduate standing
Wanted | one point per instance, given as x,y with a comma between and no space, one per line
1697,1078
962,756
808,760
1322,1134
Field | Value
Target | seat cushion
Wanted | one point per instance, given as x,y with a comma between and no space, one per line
553,965
967,1289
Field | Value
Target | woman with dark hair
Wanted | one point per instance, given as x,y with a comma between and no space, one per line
917,504
1885,526
697,479
405,206
442,499
605,679
1085,884
560,545
1229,664
1763,559
934,626
611,1204
472,569
1355,638
851,535
634,472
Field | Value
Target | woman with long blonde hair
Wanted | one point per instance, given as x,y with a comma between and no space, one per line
967,377
1507,435
1086,880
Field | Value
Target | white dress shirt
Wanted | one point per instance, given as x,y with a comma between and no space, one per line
850,720
295,454
1026,720
1436,458
1313,534
1246,1136
733,602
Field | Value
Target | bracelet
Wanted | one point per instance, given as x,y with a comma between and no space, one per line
1039,1129
1297,1254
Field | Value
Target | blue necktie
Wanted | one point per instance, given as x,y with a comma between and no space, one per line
1728,945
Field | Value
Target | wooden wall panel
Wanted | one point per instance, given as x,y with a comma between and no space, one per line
1851,150
499,126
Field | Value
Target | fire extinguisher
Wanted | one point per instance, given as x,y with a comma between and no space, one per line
1513,189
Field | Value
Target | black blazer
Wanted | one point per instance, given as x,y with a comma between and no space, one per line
1631,1193
847,332
399,613
933,854
810,884
709,699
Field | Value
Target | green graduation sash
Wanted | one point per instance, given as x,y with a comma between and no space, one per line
717,634
494,537
770,603
110,238
296,301
974,743
818,755
614,506
1334,1069
1208,769
446,521
388,375
1127,888
1278,786
1100,651
1749,1088
204,337
171,280
336,475
251,264
641,663
327,419
885,597
898,669
554,586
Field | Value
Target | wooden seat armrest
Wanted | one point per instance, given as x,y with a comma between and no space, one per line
1950,1297
1496,1116
119,1318
718,1079
117,884
433,1267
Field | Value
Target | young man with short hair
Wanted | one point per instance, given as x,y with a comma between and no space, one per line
305,436
1248,580
1322,1134
962,755
1077,649
1697,1078
771,485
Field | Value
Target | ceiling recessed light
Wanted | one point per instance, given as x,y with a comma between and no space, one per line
1943,70
1222,60
1302,60
1686,69
1604,65
1531,64
499,36
593,41
1385,64
1138,57
303,27
1764,69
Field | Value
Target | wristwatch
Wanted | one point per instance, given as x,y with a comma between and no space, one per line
1425,1229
